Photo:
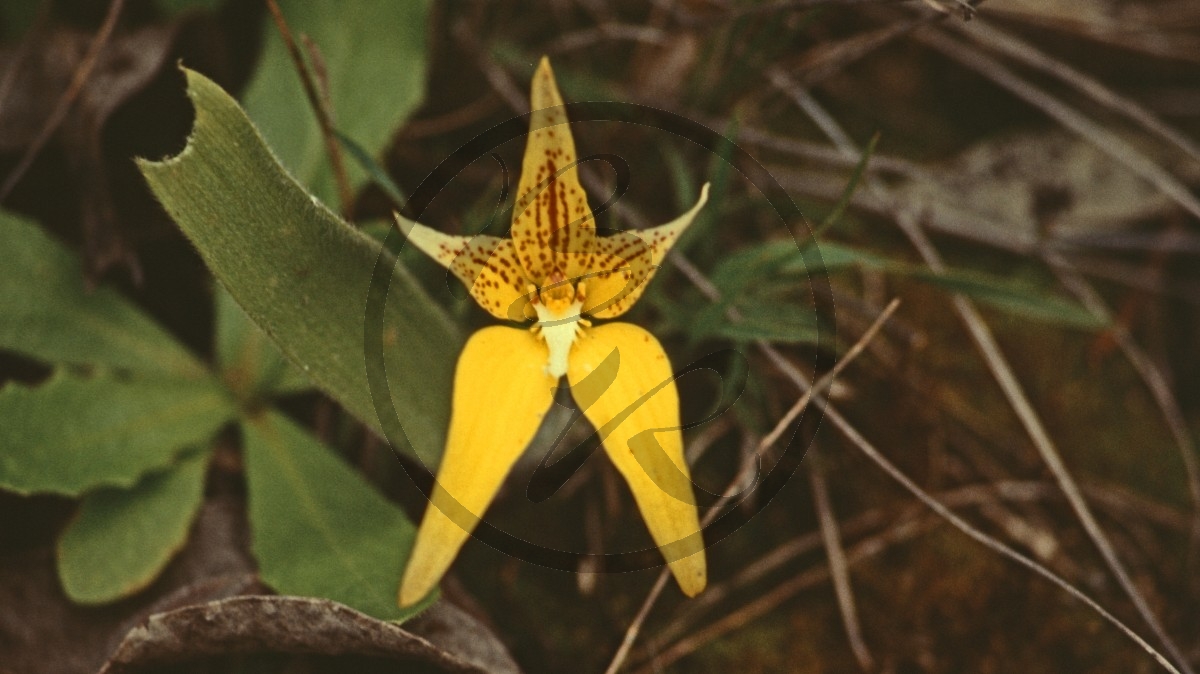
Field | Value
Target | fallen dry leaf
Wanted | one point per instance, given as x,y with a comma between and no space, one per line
243,625
42,631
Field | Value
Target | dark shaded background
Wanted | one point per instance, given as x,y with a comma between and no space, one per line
929,599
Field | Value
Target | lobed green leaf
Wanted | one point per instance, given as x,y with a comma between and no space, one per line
121,539
70,435
47,314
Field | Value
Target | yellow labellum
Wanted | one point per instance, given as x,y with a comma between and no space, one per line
637,417
555,270
494,418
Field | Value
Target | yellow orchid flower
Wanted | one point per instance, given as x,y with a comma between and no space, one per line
555,270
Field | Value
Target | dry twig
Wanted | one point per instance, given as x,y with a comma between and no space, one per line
635,627
838,567
1159,388
503,84
78,80
900,517
986,344
903,531
1026,53
1072,119
606,31
850,433
320,108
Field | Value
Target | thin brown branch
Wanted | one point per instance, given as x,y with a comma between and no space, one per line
791,372
78,80
712,432
803,149
455,119
1104,140
1159,34
838,568
1024,52
735,486
1159,388
851,353
754,571
829,59
852,434
320,74
746,9
500,81
606,31
1116,501
635,626
319,107
743,615
989,349
908,527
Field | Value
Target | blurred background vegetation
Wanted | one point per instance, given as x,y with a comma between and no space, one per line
1044,149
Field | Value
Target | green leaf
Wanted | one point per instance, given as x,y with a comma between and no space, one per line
250,363
767,263
754,265
775,321
1021,299
121,539
46,313
828,256
1014,297
679,170
759,282
375,56
70,435
377,174
318,528
291,382
378,228
839,209
303,275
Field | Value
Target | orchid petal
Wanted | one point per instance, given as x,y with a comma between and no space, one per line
622,265
626,262
661,238
552,225
501,393
487,265
637,418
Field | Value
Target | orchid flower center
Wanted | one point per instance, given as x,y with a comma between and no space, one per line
559,304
